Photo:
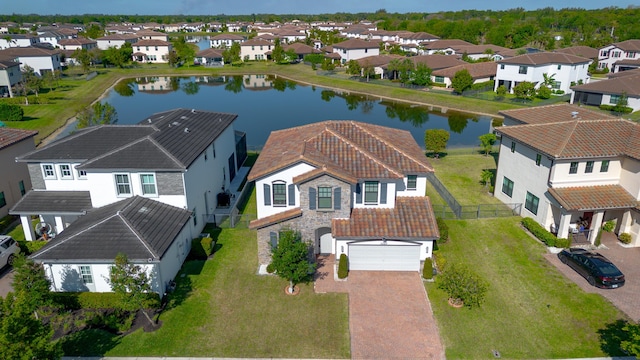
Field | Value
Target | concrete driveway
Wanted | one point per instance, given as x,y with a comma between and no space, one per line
628,261
390,315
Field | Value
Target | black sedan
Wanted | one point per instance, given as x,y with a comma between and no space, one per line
597,269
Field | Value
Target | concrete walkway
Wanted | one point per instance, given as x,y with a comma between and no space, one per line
390,315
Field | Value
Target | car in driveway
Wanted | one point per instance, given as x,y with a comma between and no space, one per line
597,269
8,250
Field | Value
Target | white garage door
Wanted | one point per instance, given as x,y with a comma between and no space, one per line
384,257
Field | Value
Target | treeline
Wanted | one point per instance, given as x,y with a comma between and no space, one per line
510,28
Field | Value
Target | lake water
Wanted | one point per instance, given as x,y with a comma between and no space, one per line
265,103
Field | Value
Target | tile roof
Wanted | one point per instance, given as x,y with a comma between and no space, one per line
628,45
437,61
53,202
5,64
478,49
356,149
583,51
476,70
257,42
10,136
553,113
275,218
152,42
579,138
544,58
378,60
444,44
119,37
412,218
140,227
227,37
76,41
594,197
623,73
352,44
629,84
210,53
30,51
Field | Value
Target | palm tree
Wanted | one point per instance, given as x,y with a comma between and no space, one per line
548,80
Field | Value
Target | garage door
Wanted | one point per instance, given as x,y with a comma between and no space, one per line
384,257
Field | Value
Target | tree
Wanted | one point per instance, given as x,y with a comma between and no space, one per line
421,76
631,343
405,70
486,176
131,283
461,81
435,140
501,91
328,65
621,103
548,80
30,280
524,90
290,258
277,54
97,114
185,51
543,92
487,141
232,54
30,82
118,56
83,56
353,68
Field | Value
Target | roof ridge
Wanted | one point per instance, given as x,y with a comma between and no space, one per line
130,226
165,151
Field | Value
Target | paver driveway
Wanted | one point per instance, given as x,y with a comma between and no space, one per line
389,314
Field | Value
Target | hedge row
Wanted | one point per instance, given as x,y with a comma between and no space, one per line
93,300
543,235
444,230
618,109
11,112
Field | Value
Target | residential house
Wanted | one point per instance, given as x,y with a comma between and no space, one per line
14,181
437,61
480,72
566,70
443,46
255,49
620,56
225,40
484,51
39,59
354,49
152,35
582,51
17,40
116,40
183,158
379,63
52,37
10,75
610,91
301,49
571,173
79,43
210,57
152,51
350,188
417,38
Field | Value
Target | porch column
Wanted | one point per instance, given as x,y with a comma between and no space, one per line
26,227
625,222
596,224
59,225
563,227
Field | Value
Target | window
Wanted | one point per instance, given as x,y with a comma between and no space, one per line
324,197
82,174
85,273
522,69
194,216
440,79
556,85
123,186
412,182
279,194
501,66
370,192
559,66
148,182
614,99
507,186
48,172
22,189
604,166
573,168
3,201
65,171
538,159
589,167
513,146
531,203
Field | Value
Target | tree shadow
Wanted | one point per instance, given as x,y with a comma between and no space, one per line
612,336
90,342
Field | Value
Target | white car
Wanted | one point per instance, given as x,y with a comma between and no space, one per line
8,250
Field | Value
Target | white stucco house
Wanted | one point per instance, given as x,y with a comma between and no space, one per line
79,43
255,49
116,40
225,40
572,168
39,59
152,51
620,56
10,75
349,188
566,69
610,91
17,40
354,49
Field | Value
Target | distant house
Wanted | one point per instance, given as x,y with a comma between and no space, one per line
582,51
445,47
78,43
620,56
565,69
153,51
255,49
152,35
39,59
115,40
301,49
10,75
437,61
354,49
485,51
609,92
210,57
17,40
480,72
15,181
379,63
225,40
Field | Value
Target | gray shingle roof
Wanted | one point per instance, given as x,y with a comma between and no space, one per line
139,227
53,202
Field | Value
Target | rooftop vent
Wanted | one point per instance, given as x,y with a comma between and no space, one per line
574,114
186,130
149,121
175,123
193,111
183,117
143,210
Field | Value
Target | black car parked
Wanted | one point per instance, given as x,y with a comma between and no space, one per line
597,269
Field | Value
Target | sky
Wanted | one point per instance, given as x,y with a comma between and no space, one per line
245,7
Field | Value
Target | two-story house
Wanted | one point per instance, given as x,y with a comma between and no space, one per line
10,75
610,91
350,188
116,40
153,51
255,49
39,59
17,40
354,49
225,40
572,168
180,157
79,43
620,56
565,69
14,181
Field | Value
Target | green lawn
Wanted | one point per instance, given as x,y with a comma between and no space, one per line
223,309
531,310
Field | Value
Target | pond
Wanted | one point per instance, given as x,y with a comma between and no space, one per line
265,103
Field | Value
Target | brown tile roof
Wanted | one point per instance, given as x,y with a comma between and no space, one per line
594,197
412,218
10,136
553,113
210,52
325,170
275,218
257,42
357,44
417,36
579,138
628,84
378,60
355,149
437,61
476,70
543,58
444,44
632,62
30,51
118,37
628,45
583,51
624,73
479,49
152,42
300,48
5,64
76,41
227,37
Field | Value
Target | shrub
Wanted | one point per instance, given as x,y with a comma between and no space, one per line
440,261
625,238
29,247
343,266
11,112
92,300
542,234
271,268
427,270
619,109
207,245
563,243
6,221
444,230
543,92
598,238
461,284
609,226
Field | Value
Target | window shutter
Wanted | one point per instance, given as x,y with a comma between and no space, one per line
292,195
383,193
358,194
336,198
312,198
267,194
273,237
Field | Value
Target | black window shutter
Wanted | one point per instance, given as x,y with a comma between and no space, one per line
358,194
292,194
267,194
336,198
383,193
273,237
312,198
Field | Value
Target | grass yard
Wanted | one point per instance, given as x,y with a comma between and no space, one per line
222,308
531,310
